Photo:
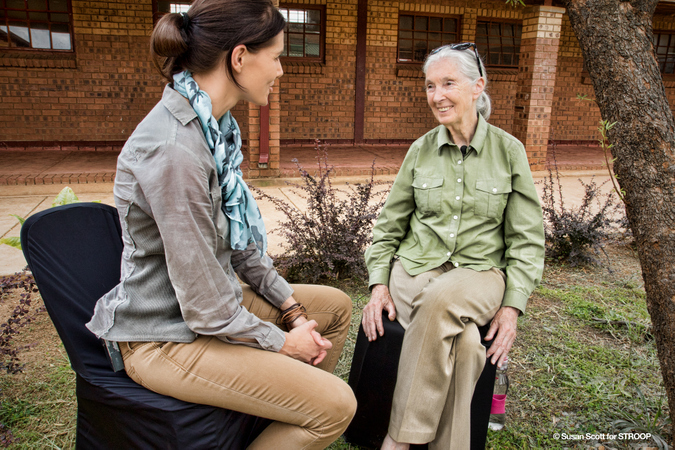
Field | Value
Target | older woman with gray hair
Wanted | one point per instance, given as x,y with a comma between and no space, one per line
459,243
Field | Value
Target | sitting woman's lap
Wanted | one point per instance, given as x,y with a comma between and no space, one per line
312,405
437,371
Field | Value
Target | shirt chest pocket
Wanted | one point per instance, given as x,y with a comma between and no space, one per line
491,197
427,191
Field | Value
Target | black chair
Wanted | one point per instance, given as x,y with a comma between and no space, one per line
373,378
74,252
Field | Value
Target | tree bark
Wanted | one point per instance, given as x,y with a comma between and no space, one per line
616,42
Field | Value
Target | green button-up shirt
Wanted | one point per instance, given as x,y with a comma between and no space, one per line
479,211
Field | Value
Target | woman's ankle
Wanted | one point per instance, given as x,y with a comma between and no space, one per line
391,444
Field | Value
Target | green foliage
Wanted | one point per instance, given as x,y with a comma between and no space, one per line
65,197
644,420
19,218
12,241
604,127
609,308
15,412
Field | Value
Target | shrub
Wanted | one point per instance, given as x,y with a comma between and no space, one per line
20,317
329,238
576,235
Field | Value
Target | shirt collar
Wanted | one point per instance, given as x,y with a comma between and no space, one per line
178,105
476,143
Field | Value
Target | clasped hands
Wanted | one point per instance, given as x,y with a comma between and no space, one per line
303,342
502,329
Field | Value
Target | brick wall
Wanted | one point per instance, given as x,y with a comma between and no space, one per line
317,100
396,105
98,94
578,120
666,23
572,119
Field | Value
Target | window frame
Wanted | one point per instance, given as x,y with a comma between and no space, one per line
415,14
322,34
485,52
671,44
156,14
49,23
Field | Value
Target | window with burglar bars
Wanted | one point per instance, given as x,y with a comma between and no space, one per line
305,35
36,25
418,35
164,7
499,42
664,44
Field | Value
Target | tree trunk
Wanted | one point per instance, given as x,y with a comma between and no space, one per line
616,42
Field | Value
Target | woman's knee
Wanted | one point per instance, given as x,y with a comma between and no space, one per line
435,305
337,304
339,407
343,304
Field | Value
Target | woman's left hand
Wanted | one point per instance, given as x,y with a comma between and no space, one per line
504,326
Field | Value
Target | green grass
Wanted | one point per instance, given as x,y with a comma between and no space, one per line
573,374
39,406
570,373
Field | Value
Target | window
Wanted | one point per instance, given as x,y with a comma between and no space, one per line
36,25
304,32
161,7
164,7
664,44
418,35
499,42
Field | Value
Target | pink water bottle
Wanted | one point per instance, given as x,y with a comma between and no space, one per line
498,410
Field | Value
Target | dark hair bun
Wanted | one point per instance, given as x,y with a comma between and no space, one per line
210,33
168,39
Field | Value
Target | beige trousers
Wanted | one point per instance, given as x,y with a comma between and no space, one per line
442,356
310,407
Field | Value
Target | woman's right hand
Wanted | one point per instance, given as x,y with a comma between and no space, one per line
305,344
372,313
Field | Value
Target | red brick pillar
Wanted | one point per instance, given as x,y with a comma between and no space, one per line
536,80
271,168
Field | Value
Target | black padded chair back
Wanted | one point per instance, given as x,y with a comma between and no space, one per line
74,252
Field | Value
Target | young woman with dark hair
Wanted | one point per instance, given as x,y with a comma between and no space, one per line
185,325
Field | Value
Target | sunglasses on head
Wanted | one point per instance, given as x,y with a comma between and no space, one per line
461,46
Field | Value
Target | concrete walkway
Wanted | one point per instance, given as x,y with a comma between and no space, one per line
30,181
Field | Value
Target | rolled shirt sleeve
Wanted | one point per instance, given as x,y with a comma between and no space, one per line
259,273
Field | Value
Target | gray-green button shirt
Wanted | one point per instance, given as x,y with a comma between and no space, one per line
479,211
178,269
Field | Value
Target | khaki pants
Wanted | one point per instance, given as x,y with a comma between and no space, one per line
311,407
442,357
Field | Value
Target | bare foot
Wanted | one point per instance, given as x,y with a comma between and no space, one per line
390,444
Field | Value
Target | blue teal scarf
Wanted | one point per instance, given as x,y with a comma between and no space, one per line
224,140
